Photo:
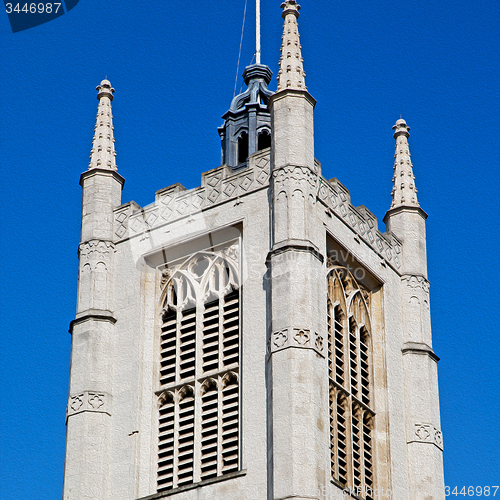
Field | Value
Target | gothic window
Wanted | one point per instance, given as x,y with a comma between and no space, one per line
243,147
198,436
350,376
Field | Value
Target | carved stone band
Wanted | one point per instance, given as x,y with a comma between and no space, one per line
302,338
426,433
92,401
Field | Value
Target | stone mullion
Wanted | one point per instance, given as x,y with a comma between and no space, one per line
197,392
362,451
334,454
178,347
175,471
345,349
347,352
220,348
330,320
349,441
358,357
220,461
220,365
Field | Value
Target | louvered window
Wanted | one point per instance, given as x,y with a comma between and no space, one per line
350,376
199,407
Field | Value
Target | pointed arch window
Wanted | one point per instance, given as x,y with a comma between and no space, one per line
350,380
198,436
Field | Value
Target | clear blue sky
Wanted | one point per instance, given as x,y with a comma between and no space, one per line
173,66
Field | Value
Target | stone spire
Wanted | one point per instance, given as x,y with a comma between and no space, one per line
291,73
404,192
103,152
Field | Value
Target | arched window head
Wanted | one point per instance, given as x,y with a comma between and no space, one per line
264,140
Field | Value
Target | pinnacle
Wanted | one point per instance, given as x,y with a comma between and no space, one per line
404,192
291,73
103,152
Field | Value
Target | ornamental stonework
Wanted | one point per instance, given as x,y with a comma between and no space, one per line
426,433
89,401
293,337
96,251
414,283
223,184
218,186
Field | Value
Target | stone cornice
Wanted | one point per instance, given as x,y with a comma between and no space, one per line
297,246
403,208
282,94
419,348
102,171
92,315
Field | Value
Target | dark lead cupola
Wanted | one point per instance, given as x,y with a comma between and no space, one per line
247,123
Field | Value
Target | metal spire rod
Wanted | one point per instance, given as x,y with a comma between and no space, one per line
257,31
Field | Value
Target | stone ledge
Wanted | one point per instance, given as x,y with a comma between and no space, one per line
419,348
92,314
102,171
404,208
175,491
295,245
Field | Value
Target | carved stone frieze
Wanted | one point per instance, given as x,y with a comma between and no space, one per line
293,337
414,283
89,401
96,251
426,433
292,178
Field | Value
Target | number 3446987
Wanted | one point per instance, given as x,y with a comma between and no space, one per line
33,8
472,491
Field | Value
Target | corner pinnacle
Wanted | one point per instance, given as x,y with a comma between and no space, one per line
291,73
404,192
103,152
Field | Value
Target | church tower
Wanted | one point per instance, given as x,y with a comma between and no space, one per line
257,337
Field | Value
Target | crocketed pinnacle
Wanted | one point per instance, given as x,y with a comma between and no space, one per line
103,153
404,192
291,73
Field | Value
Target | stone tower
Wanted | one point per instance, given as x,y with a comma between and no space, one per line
257,337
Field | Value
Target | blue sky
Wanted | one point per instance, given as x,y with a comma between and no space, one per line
173,66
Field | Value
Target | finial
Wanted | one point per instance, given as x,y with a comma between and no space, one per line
290,7
291,73
103,152
404,192
105,89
